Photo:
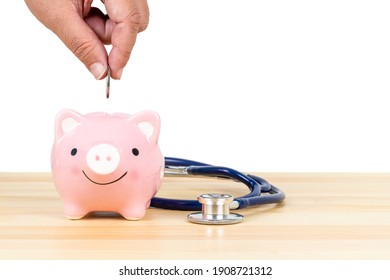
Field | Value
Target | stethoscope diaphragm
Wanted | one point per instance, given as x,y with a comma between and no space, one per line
215,210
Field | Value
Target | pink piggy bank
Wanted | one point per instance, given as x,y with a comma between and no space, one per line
107,162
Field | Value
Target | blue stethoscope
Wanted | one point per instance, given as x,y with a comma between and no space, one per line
215,207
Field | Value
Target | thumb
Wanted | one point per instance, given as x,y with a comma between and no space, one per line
84,43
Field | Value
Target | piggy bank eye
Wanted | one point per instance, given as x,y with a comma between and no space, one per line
73,152
135,151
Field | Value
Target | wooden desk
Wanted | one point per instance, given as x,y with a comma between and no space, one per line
325,216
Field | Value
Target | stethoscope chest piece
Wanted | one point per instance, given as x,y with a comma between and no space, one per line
215,211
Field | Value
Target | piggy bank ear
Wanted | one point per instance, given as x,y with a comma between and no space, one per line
65,121
149,123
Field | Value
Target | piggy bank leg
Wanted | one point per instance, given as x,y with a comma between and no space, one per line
148,204
73,212
134,213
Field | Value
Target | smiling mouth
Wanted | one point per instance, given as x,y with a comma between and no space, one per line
102,184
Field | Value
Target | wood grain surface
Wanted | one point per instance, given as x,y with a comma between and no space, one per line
324,216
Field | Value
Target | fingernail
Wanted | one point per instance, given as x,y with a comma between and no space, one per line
119,74
97,70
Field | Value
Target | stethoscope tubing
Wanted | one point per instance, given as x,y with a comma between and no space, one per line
260,190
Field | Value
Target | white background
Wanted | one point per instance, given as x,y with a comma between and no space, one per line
254,85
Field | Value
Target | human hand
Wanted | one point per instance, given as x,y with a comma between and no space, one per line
85,29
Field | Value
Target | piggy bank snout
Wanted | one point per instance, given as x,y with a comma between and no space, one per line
103,159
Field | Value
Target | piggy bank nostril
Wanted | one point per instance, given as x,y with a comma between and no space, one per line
97,158
108,158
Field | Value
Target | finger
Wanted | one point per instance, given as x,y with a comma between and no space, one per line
84,43
87,7
143,10
100,24
103,26
128,18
